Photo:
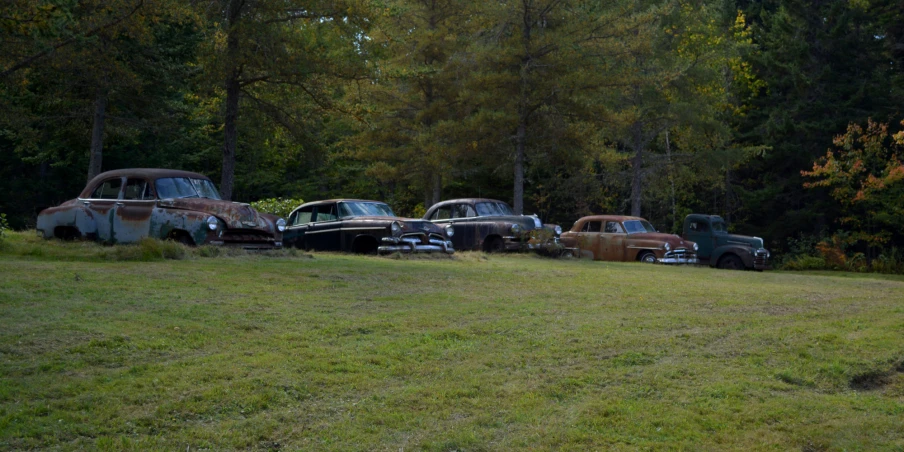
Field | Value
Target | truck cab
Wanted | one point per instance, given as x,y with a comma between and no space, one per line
719,248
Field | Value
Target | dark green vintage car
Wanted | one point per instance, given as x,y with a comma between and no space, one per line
719,248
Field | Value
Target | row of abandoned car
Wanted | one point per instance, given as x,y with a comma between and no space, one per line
124,206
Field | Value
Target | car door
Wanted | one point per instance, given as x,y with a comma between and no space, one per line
699,232
589,238
467,225
324,231
296,227
612,241
102,205
132,218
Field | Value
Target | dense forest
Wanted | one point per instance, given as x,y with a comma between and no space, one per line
784,117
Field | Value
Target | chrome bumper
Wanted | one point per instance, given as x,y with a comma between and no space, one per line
678,260
413,245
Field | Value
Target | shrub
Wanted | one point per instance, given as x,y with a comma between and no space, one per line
4,225
805,263
277,206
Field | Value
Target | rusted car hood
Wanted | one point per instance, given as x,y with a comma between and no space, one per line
236,215
672,239
526,221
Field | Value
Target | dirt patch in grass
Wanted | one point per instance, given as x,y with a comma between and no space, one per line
874,380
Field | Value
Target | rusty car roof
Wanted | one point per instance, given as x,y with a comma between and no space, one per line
610,217
464,200
145,173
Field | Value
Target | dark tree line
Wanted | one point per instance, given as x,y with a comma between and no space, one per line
656,108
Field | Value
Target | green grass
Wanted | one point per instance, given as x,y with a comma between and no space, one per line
276,351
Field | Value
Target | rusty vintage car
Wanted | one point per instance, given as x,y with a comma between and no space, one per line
490,225
623,238
124,206
364,227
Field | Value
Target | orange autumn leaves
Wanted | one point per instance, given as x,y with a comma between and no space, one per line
865,173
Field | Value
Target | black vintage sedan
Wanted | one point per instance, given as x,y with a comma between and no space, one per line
490,225
362,226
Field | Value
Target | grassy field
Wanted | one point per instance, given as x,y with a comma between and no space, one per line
470,353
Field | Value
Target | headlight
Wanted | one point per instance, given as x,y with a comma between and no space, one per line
396,227
667,247
516,229
281,225
558,230
696,247
212,223
450,231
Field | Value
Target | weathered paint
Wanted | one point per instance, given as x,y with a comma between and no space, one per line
369,233
483,232
626,247
128,220
716,246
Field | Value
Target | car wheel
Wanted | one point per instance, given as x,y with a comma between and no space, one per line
182,237
731,262
647,258
495,245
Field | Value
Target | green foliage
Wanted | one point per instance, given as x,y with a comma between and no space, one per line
4,225
281,207
866,176
799,263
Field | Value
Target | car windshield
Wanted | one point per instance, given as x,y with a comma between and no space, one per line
638,226
184,187
489,209
357,208
718,226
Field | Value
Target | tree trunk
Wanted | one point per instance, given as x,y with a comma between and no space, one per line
230,137
668,153
518,201
437,188
230,132
637,173
97,134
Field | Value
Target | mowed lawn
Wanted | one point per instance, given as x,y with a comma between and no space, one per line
476,352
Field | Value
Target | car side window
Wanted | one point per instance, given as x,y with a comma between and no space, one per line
137,189
592,226
613,227
463,211
303,216
442,213
698,226
326,213
109,189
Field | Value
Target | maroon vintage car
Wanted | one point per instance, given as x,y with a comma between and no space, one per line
124,206
623,238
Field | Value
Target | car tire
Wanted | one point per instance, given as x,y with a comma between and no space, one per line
647,257
731,262
495,245
182,237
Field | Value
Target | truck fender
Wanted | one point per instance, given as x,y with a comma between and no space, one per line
740,251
